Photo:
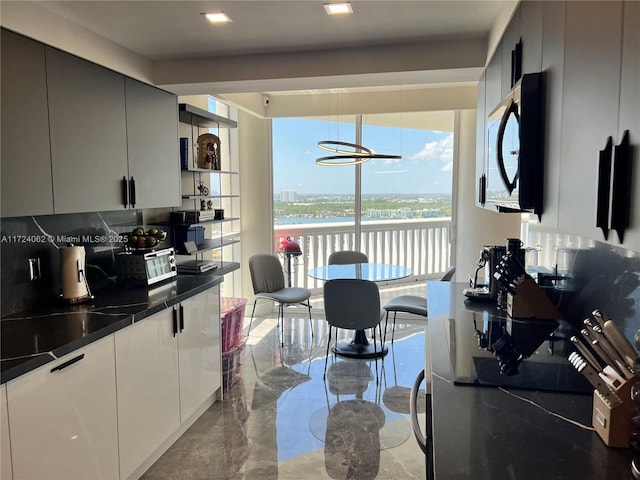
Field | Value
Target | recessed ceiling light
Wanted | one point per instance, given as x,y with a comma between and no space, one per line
338,8
217,17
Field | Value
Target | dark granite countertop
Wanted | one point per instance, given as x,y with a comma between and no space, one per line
503,432
35,337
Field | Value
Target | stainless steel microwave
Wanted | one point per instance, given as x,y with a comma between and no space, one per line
147,268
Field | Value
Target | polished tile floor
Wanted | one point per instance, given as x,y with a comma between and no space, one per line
282,420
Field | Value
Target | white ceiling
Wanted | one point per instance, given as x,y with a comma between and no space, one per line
162,30
273,47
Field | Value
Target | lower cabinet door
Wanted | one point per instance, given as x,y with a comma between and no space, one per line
5,446
63,417
147,382
199,347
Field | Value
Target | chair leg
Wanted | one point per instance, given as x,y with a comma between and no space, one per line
281,322
252,312
375,352
386,321
393,329
310,321
326,358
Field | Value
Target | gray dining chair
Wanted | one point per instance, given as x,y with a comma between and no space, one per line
344,257
411,304
352,304
267,278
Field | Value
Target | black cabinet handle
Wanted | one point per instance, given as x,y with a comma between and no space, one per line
125,192
68,363
132,191
621,194
604,185
181,319
175,321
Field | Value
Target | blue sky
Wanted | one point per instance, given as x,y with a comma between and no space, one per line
425,166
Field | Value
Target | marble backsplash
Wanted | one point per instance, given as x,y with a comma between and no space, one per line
41,237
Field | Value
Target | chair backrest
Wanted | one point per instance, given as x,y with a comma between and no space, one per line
344,257
448,275
266,273
351,303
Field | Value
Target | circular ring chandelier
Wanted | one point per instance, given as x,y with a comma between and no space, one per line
355,156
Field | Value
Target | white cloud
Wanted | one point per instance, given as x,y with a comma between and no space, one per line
439,150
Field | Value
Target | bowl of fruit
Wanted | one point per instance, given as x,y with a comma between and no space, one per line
140,239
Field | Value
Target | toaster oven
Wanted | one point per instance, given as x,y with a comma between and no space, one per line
147,268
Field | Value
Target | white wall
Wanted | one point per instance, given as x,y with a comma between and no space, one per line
254,138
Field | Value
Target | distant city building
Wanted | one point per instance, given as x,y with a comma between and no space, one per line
288,196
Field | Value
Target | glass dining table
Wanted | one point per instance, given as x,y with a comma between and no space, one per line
360,347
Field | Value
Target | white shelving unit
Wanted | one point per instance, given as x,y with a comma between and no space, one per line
221,236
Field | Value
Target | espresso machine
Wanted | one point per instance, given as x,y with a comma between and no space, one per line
490,258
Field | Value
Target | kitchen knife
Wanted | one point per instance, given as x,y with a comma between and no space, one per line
574,355
586,353
607,347
620,343
600,354
599,318
590,374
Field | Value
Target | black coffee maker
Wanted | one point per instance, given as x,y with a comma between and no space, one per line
490,258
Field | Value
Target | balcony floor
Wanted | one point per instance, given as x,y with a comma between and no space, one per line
281,420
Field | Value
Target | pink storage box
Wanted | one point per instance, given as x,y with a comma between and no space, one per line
232,313
232,366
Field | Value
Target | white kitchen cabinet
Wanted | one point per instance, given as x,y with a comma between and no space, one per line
167,366
5,441
63,419
26,158
508,43
147,382
88,134
590,103
114,140
629,116
493,78
199,350
531,31
553,68
152,145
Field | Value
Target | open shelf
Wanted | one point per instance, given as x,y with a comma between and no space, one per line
222,269
203,119
212,244
197,197
221,193
208,170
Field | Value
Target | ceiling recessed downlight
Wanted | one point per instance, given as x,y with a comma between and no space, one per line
217,17
338,8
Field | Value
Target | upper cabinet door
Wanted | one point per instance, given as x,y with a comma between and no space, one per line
152,140
553,68
26,158
88,134
590,101
531,22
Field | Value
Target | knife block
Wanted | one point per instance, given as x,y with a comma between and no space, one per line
613,424
530,301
